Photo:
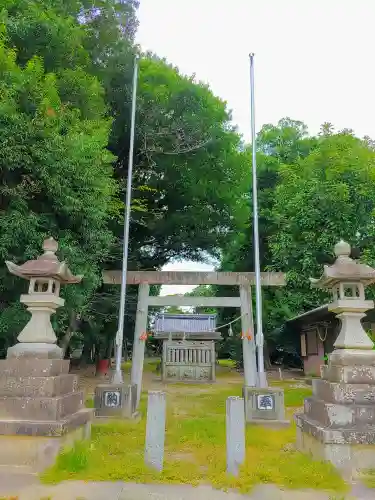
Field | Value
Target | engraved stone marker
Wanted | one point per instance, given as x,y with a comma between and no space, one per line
235,431
155,430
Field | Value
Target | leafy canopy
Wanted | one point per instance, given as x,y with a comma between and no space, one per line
55,179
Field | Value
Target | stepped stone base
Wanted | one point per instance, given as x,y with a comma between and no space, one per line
33,454
348,457
41,412
338,423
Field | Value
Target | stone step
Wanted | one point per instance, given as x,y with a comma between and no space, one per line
38,386
45,428
364,434
40,408
35,445
339,392
337,416
349,374
14,367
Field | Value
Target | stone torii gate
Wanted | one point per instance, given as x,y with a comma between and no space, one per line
244,280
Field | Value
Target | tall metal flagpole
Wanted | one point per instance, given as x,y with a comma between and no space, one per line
262,376
117,376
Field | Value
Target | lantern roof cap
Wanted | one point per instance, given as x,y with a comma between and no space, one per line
344,269
46,266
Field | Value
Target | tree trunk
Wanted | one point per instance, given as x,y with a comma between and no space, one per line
86,354
108,350
266,354
97,354
125,353
73,327
68,352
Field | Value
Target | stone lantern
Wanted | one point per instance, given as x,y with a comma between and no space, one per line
41,408
347,279
340,416
46,274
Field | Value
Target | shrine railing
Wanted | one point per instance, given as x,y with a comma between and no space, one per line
189,355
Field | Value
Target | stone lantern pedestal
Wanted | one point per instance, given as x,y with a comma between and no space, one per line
338,423
41,408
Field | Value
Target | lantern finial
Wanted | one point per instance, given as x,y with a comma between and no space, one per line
50,247
342,249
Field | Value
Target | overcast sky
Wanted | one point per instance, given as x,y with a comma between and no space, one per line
314,60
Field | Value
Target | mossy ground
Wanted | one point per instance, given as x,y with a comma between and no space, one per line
195,446
369,478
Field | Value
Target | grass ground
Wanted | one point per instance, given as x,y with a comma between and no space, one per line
369,478
195,445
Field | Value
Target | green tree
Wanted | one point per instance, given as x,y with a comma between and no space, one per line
56,178
188,157
203,291
277,145
78,42
285,143
173,310
325,197
189,172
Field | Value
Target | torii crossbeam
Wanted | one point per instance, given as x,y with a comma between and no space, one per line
192,278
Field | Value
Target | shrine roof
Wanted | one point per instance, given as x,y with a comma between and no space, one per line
185,323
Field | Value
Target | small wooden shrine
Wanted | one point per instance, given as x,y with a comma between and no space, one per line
188,346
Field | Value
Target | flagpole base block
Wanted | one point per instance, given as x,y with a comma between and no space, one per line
115,400
272,424
264,405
